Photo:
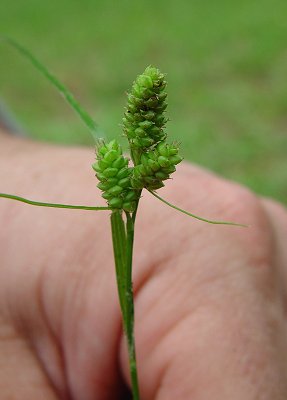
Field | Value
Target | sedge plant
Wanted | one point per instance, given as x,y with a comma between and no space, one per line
121,179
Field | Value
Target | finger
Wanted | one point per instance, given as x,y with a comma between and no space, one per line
277,216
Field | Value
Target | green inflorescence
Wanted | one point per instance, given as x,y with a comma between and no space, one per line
155,166
144,118
115,177
154,159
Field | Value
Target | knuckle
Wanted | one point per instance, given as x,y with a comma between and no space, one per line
241,204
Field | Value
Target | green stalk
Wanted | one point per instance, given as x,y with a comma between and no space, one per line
135,155
130,307
119,245
123,239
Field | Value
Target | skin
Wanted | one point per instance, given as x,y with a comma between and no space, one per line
210,300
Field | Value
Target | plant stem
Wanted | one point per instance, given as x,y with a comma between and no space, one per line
119,245
135,155
123,239
130,307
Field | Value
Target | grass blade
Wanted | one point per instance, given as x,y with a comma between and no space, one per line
86,118
196,216
53,205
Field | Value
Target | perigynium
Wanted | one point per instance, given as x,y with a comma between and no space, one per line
152,160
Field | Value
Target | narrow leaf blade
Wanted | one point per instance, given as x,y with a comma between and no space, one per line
53,205
83,114
196,216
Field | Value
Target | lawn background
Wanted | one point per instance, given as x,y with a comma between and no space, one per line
226,63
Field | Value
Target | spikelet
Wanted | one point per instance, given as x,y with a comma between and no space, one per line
115,177
144,118
156,166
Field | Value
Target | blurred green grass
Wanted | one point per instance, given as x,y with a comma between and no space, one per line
226,63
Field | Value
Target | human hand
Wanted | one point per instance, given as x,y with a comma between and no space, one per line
210,300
